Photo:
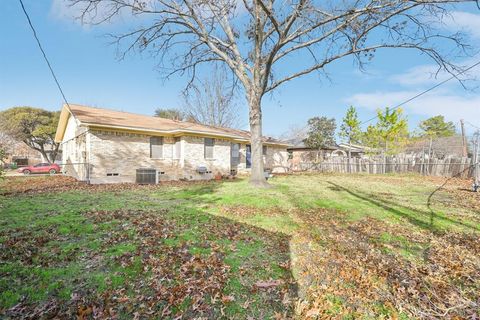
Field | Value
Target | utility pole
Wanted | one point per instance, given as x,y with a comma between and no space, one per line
429,156
476,182
464,139
349,154
423,161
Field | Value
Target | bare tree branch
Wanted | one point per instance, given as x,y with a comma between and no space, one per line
212,101
254,38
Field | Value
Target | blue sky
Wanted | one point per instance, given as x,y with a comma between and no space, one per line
90,74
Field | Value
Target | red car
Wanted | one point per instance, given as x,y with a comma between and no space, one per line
51,168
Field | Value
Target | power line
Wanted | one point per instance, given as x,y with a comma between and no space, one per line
426,91
469,123
43,52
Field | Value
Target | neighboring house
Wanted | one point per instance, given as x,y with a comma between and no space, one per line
300,153
107,146
356,150
440,147
22,155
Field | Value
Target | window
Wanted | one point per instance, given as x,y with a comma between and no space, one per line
156,147
209,143
236,150
178,148
235,154
264,150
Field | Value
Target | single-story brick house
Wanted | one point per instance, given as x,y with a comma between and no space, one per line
107,146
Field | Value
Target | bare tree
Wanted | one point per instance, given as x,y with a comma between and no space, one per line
212,101
255,37
295,134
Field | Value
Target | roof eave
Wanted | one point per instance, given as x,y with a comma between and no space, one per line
172,132
62,124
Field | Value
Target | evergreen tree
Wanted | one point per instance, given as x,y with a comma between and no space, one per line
435,127
173,114
389,133
321,132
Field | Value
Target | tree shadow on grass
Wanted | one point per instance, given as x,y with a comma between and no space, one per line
383,271
404,211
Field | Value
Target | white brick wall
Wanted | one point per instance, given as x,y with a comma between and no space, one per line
74,150
118,153
115,156
276,159
194,156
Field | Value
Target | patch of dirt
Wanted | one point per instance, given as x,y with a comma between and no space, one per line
347,269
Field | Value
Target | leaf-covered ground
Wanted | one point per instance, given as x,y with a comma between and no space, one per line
314,246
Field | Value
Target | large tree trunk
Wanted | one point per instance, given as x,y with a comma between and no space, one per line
44,154
38,147
54,152
257,177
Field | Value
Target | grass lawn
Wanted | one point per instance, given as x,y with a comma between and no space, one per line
313,246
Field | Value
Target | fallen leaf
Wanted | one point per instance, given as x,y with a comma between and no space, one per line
83,312
268,284
228,299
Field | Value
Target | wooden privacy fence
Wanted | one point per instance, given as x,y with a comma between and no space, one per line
448,167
